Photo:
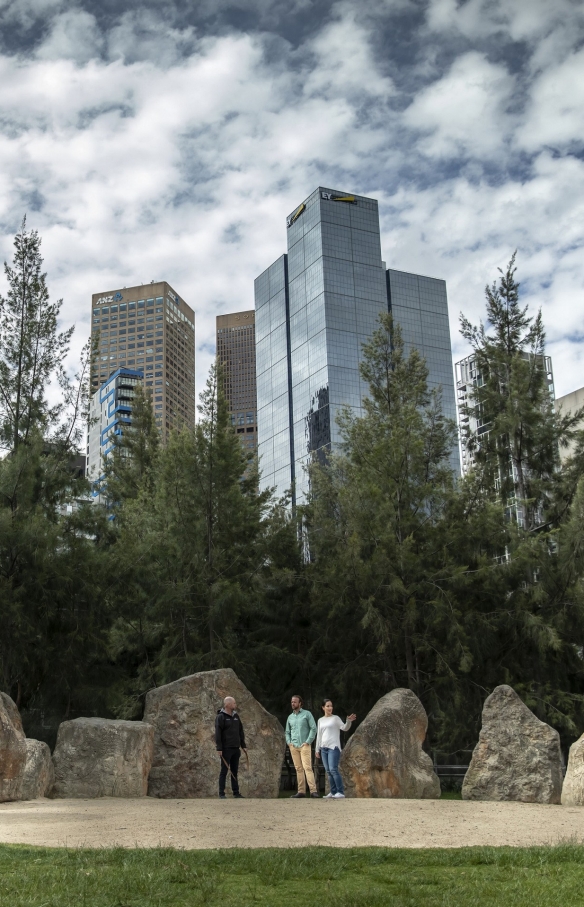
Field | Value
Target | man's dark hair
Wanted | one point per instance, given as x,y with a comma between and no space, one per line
296,696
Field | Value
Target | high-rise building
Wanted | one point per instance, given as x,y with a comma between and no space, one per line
110,412
315,307
236,355
149,328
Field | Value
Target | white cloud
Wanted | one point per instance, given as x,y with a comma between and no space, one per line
465,111
74,35
149,152
518,20
555,112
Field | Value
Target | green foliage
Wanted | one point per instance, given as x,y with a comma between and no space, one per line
31,349
192,548
518,448
52,623
393,574
348,877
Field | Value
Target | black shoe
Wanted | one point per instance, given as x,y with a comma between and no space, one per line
222,797
238,796
315,795
297,796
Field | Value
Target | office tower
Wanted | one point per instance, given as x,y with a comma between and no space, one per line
110,411
315,307
468,376
236,355
152,329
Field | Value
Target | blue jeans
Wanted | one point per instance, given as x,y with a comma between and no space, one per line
330,760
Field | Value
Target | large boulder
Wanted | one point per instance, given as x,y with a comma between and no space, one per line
384,757
517,757
98,757
12,750
185,761
573,789
39,775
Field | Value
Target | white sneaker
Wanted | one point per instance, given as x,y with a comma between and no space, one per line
328,796
338,796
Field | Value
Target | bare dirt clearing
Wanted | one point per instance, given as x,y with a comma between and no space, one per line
198,824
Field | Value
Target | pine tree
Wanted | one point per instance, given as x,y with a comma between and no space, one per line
190,550
517,446
32,350
375,519
52,617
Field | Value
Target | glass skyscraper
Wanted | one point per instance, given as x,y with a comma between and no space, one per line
315,307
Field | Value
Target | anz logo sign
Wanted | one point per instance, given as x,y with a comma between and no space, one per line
116,297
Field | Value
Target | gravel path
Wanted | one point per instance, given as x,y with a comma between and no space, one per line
197,824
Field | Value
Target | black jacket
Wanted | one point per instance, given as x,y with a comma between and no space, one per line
229,733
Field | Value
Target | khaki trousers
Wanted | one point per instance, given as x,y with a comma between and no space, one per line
302,759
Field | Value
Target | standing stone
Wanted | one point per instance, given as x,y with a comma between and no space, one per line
39,775
97,757
573,789
185,761
12,750
517,757
384,757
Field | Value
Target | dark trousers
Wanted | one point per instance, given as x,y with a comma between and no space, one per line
231,759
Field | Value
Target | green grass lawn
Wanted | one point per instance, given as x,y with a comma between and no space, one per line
331,877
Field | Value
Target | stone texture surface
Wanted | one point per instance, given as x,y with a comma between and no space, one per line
517,757
573,789
384,757
97,757
39,775
185,761
12,750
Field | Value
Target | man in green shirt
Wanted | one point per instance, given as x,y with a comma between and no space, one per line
300,732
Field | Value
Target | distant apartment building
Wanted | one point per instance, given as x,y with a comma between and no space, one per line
110,413
237,357
470,420
315,308
151,329
567,405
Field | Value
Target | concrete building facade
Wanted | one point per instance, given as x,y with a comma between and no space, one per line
315,307
149,328
567,405
236,355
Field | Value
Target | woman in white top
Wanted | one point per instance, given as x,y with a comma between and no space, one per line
328,745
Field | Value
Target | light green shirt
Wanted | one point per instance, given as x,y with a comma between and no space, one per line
300,728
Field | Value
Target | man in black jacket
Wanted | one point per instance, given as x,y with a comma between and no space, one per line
229,737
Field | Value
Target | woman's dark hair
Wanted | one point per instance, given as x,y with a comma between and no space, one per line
296,696
324,701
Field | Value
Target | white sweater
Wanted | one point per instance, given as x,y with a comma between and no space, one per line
329,732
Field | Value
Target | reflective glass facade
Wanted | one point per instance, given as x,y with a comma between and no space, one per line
420,306
315,307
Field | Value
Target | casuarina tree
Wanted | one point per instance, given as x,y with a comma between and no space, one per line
513,431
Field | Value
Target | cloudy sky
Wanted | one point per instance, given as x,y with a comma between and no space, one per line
169,140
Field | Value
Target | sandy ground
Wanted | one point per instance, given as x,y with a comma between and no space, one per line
198,824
